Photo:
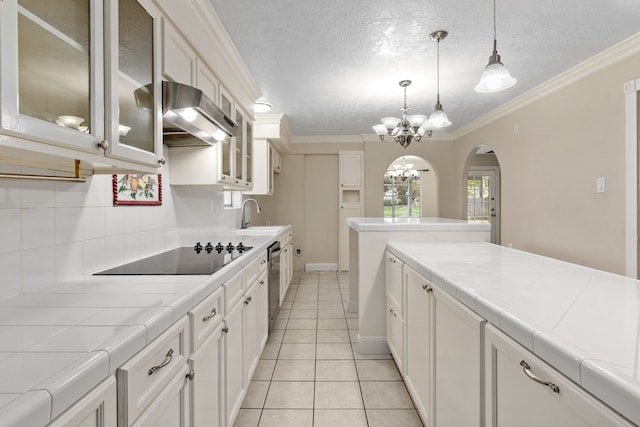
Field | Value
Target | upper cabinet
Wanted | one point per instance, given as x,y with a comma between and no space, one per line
61,85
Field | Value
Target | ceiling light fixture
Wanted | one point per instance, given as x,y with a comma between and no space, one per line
404,130
439,118
261,106
404,171
495,76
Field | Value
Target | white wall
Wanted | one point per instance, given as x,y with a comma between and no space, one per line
52,231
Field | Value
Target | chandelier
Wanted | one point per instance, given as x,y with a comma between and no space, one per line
404,130
404,171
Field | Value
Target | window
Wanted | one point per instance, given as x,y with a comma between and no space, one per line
478,199
401,195
232,199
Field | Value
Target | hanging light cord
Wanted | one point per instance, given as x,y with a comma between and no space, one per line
495,43
438,72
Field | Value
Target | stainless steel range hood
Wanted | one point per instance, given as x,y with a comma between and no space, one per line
191,118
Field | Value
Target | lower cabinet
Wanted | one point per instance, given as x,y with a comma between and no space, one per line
395,332
263,310
417,314
206,386
250,323
96,409
286,265
171,407
515,395
234,377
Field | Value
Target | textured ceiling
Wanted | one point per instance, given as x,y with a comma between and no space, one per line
333,66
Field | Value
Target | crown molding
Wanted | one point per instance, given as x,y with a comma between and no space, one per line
331,139
617,53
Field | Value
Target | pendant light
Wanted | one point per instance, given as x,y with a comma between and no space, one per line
495,76
439,118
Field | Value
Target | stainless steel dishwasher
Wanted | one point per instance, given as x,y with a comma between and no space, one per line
273,263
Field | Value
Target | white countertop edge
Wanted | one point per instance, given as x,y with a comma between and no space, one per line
414,224
38,406
599,378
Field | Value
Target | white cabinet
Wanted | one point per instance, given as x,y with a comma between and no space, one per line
97,408
515,398
395,309
417,370
276,160
207,388
62,86
286,265
351,199
179,60
155,380
234,376
457,355
250,320
263,309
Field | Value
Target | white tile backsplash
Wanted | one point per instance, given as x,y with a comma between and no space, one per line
56,230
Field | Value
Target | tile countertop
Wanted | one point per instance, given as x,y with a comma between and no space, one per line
58,343
583,322
414,224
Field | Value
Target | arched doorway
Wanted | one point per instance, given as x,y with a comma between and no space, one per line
410,189
482,189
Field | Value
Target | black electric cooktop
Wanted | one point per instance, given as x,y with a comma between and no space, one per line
187,260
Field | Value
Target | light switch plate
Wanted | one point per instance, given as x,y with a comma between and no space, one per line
600,185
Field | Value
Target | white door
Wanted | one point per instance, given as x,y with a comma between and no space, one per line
483,198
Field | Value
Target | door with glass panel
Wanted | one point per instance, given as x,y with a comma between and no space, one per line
483,198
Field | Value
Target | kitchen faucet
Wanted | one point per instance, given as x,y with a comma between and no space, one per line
244,222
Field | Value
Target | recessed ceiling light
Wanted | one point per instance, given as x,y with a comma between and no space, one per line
262,106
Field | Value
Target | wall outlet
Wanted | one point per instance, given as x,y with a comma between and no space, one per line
516,129
600,185
298,251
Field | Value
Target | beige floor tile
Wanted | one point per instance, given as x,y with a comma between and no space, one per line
393,418
385,395
294,370
302,324
256,394
280,324
297,351
248,418
332,324
330,305
275,336
340,418
336,370
333,351
351,315
306,298
327,336
353,335
353,323
338,395
286,305
290,395
377,370
286,418
299,336
284,314
304,314
264,370
305,305
357,355
331,314
270,351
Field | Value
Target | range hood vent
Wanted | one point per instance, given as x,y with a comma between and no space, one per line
191,118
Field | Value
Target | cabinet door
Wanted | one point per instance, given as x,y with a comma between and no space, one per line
239,147
417,370
96,409
171,408
457,363
263,310
350,169
514,399
395,332
227,159
51,73
393,274
133,86
207,82
248,155
206,386
250,313
234,362
179,61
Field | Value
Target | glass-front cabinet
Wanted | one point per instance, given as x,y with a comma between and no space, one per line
70,71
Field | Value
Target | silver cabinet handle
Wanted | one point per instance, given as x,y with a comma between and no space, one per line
392,260
247,301
393,313
162,161
427,287
527,371
165,362
210,315
190,375
225,329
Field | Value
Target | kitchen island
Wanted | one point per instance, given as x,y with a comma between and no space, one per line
368,238
60,342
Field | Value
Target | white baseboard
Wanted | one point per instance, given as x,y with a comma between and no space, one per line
373,345
353,307
321,267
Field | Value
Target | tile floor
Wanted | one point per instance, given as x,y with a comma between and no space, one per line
310,373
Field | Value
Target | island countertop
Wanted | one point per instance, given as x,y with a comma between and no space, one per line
415,224
583,322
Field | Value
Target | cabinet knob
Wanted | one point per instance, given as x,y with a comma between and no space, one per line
103,144
247,301
262,282
393,313
392,260
427,287
162,161
225,329
190,375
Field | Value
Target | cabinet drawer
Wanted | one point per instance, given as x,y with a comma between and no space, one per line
262,262
233,291
250,273
146,374
205,317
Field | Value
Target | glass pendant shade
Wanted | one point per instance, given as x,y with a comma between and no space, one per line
390,122
495,78
439,118
380,129
416,120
